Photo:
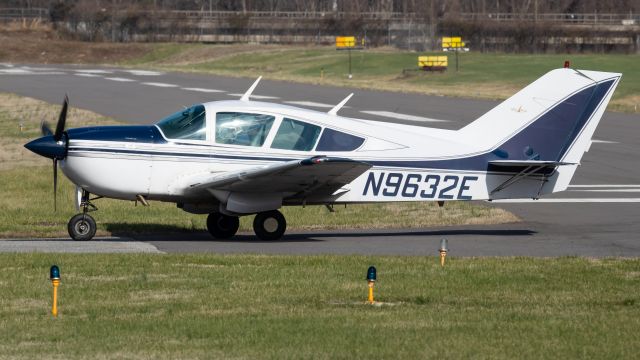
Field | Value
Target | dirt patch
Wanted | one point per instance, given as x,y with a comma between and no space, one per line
40,44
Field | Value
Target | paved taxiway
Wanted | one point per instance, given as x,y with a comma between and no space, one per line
596,217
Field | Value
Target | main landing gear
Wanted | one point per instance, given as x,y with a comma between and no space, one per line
82,227
268,225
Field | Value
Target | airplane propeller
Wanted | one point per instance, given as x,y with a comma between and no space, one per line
53,145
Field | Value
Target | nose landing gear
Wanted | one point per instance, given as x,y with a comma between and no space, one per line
82,227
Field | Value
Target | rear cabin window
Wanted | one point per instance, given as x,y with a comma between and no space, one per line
188,124
296,135
332,140
242,128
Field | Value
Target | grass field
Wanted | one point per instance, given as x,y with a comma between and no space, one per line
26,194
247,306
494,76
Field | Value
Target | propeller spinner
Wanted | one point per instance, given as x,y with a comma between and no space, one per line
53,145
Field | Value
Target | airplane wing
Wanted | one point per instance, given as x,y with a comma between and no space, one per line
319,175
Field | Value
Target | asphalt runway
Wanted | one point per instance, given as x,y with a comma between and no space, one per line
597,216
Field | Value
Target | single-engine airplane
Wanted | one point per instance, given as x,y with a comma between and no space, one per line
236,158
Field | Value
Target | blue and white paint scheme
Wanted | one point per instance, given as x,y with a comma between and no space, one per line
234,158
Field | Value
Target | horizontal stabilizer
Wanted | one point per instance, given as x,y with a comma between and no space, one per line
528,167
527,163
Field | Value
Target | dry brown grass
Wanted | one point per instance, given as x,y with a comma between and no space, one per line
34,42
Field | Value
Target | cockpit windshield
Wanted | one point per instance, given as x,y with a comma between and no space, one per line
188,124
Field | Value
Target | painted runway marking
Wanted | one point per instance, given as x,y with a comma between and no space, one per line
94,71
607,190
263,97
569,200
165,85
144,72
310,103
88,75
120,79
399,116
603,141
203,90
27,71
16,71
605,186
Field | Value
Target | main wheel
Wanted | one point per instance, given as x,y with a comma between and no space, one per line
82,227
222,226
269,225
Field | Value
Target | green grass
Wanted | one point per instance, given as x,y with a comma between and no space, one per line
247,306
26,194
481,75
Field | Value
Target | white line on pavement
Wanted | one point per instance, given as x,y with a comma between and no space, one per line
395,115
607,190
144,72
165,85
310,103
605,186
88,75
569,200
94,71
203,90
603,141
119,79
264,97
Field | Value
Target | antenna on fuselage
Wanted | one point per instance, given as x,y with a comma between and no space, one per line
246,95
335,109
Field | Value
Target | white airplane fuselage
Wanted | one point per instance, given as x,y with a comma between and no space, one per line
233,158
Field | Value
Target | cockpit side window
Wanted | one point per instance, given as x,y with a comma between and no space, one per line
242,128
333,140
188,124
296,135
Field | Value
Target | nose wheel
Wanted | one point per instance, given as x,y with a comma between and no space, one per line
82,227
269,225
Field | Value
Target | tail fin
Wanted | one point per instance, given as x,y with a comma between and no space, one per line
552,119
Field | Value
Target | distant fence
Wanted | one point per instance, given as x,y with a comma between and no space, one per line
8,14
559,18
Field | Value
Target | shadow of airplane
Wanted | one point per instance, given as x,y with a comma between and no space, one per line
151,232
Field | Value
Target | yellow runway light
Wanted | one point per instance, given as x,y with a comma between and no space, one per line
371,279
54,275
443,251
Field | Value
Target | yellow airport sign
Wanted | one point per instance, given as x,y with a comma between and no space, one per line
454,42
433,61
343,42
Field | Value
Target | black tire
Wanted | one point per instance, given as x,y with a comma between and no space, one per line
222,226
269,225
82,227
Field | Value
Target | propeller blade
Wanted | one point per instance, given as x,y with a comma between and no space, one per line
45,129
57,136
55,184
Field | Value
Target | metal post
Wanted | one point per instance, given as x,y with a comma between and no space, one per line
456,50
349,50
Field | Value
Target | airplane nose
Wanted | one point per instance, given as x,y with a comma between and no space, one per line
47,146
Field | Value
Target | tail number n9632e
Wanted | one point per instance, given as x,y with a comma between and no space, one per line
426,186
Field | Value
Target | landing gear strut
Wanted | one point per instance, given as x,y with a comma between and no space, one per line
222,226
269,225
82,227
